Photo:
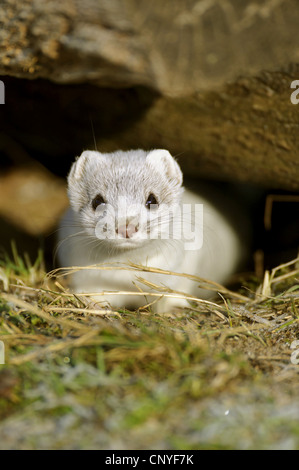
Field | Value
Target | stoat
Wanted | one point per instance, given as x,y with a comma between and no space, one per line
130,206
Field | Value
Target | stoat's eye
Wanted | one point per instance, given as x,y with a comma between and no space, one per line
98,201
151,202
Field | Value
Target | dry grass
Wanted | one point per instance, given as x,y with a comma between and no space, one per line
145,380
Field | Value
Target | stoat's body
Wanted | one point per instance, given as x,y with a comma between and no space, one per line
131,207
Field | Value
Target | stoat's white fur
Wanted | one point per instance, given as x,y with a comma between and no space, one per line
129,178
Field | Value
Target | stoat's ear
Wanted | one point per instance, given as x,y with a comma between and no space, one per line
162,161
78,167
76,179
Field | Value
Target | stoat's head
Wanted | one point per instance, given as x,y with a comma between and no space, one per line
125,198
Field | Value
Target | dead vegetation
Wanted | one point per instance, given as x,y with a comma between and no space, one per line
145,380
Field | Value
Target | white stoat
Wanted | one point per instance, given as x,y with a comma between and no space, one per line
130,206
